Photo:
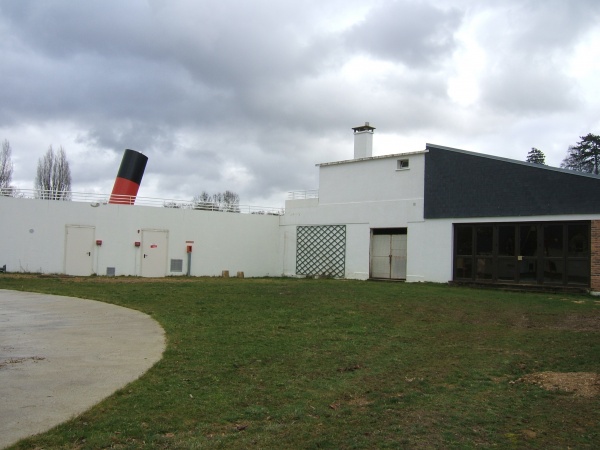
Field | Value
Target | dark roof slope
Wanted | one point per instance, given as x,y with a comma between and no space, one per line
465,184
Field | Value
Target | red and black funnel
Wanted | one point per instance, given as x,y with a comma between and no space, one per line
128,178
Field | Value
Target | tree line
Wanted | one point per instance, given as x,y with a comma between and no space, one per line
52,179
221,201
227,201
584,156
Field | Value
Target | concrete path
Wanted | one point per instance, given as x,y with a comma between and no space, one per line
60,355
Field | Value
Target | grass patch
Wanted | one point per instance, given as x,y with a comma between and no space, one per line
285,363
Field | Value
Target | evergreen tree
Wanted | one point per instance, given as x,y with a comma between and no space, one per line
585,155
536,156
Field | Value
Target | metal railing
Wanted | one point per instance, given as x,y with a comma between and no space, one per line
104,199
303,195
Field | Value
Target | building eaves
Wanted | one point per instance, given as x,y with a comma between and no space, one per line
395,155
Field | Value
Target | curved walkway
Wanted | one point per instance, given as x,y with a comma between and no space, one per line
60,355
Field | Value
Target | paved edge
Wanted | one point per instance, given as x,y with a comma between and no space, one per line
59,356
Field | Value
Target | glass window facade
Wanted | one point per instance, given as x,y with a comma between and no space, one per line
549,253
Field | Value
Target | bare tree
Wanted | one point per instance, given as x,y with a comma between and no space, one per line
53,178
221,201
6,168
218,201
204,201
230,202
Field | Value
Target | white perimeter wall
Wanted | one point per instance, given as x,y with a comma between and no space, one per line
357,250
32,237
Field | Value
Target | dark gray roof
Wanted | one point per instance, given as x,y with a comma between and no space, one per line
465,184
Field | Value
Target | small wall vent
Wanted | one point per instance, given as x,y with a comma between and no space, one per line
177,265
110,271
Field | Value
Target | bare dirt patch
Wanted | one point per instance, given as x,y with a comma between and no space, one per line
577,322
581,384
568,322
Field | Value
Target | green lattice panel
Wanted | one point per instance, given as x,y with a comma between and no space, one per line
321,250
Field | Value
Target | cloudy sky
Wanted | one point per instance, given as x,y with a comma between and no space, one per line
248,95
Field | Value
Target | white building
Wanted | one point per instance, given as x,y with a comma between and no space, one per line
444,214
438,215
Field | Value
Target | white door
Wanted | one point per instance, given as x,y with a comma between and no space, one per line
388,255
154,253
398,256
79,250
380,256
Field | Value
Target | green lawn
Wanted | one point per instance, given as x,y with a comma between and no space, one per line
286,363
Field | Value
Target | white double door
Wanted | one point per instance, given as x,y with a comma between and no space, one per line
388,256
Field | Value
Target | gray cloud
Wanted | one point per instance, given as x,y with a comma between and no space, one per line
416,34
249,96
530,44
529,85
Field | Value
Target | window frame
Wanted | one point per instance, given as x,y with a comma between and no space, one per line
400,164
541,264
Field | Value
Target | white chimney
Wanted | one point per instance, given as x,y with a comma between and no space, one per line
363,141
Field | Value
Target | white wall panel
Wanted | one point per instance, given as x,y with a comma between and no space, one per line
32,237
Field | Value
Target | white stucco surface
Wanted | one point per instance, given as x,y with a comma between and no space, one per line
33,237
